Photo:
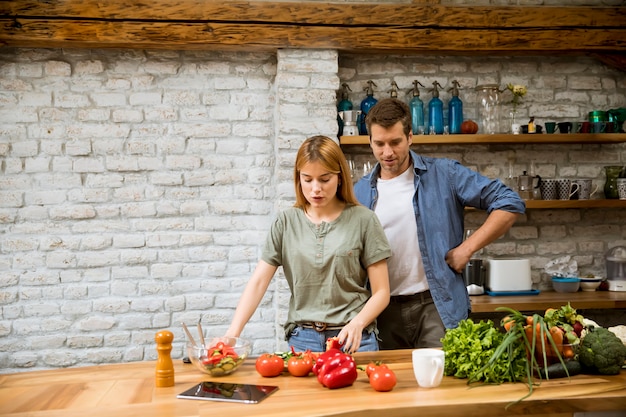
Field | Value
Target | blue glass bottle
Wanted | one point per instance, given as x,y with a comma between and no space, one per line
455,109
435,111
367,103
417,110
343,105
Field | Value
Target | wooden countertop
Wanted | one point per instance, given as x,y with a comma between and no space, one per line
128,390
579,300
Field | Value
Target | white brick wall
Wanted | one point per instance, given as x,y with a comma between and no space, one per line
136,187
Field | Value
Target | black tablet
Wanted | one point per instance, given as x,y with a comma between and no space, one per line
227,391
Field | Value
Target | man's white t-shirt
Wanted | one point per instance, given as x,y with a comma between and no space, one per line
394,208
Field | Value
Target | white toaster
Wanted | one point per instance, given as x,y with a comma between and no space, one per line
508,275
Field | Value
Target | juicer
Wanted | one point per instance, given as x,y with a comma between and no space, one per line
616,268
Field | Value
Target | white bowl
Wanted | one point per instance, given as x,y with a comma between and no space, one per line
590,284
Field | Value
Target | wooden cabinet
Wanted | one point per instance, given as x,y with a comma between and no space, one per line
576,138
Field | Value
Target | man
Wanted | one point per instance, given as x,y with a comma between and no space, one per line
420,202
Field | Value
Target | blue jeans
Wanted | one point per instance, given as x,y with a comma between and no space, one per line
310,339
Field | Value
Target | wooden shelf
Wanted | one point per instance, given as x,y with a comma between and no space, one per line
573,138
574,204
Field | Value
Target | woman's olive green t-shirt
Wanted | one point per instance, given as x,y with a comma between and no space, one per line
325,265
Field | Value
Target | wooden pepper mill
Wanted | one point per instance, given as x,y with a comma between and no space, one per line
164,365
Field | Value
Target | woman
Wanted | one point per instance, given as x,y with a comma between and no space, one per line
334,256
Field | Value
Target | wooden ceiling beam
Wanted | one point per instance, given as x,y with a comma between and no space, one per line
408,28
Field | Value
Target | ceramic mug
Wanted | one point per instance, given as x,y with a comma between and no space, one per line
621,188
585,186
564,127
428,366
598,127
566,189
585,127
550,127
548,189
576,127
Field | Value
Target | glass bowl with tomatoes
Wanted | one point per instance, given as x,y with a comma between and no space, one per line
220,356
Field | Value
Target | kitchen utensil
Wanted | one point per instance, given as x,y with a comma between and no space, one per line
526,185
189,336
201,334
350,119
508,274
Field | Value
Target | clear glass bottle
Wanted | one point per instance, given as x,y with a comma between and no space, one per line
488,96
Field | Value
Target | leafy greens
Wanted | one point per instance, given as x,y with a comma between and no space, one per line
469,348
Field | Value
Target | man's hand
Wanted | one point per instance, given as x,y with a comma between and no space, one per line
458,257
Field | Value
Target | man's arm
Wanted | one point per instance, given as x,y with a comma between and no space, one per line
497,224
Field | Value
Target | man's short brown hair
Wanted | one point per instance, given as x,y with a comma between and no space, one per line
387,112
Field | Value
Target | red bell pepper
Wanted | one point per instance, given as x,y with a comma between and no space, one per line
338,370
323,358
333,343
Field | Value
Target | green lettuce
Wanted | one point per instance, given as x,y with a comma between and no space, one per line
470,346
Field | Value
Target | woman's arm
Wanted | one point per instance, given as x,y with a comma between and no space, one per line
378,276
251,297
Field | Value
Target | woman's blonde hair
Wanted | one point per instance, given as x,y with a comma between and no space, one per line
324,150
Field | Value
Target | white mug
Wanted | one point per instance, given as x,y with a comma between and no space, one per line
428,366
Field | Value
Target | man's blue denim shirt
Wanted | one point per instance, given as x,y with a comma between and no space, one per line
443,188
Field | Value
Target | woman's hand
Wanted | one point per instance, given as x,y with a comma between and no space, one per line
350,337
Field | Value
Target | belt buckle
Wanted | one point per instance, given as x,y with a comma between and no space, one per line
319,326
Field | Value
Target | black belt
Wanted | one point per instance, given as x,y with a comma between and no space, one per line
321,327
423,296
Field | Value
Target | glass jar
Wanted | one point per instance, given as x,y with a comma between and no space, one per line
488,96
613,172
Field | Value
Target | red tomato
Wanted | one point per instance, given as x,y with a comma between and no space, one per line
371,367
300,365
269,365
383,379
